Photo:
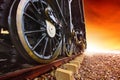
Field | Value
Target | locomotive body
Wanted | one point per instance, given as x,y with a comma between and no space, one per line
40,31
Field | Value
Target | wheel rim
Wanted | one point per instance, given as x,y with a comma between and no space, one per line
38,29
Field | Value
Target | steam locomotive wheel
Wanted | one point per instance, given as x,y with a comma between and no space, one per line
35,30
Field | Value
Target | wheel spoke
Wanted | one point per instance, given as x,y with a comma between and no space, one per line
50,43
32,18
54,44
38,5
38,42
61,12
58,35
35,31
34,7
57,41
41,4
45,47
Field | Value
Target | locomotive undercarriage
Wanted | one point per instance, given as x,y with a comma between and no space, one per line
40,31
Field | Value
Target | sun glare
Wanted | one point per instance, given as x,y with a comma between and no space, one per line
95,49
92,49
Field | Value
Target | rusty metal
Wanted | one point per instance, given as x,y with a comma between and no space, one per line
31,73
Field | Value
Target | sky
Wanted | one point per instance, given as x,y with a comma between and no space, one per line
102,18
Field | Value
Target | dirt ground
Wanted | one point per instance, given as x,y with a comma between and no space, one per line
101,67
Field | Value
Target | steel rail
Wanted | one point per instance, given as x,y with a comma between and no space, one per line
33,72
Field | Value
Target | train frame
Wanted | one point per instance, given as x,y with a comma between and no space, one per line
39,31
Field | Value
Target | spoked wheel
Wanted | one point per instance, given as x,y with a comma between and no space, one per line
36,26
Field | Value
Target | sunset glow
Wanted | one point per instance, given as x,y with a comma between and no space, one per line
102,24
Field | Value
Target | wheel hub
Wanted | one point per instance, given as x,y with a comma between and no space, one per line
51,30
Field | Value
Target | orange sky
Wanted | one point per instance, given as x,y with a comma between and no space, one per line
103,24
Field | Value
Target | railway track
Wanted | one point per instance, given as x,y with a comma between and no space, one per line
33,72
39,31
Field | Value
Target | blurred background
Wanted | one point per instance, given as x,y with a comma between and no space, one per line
103,25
